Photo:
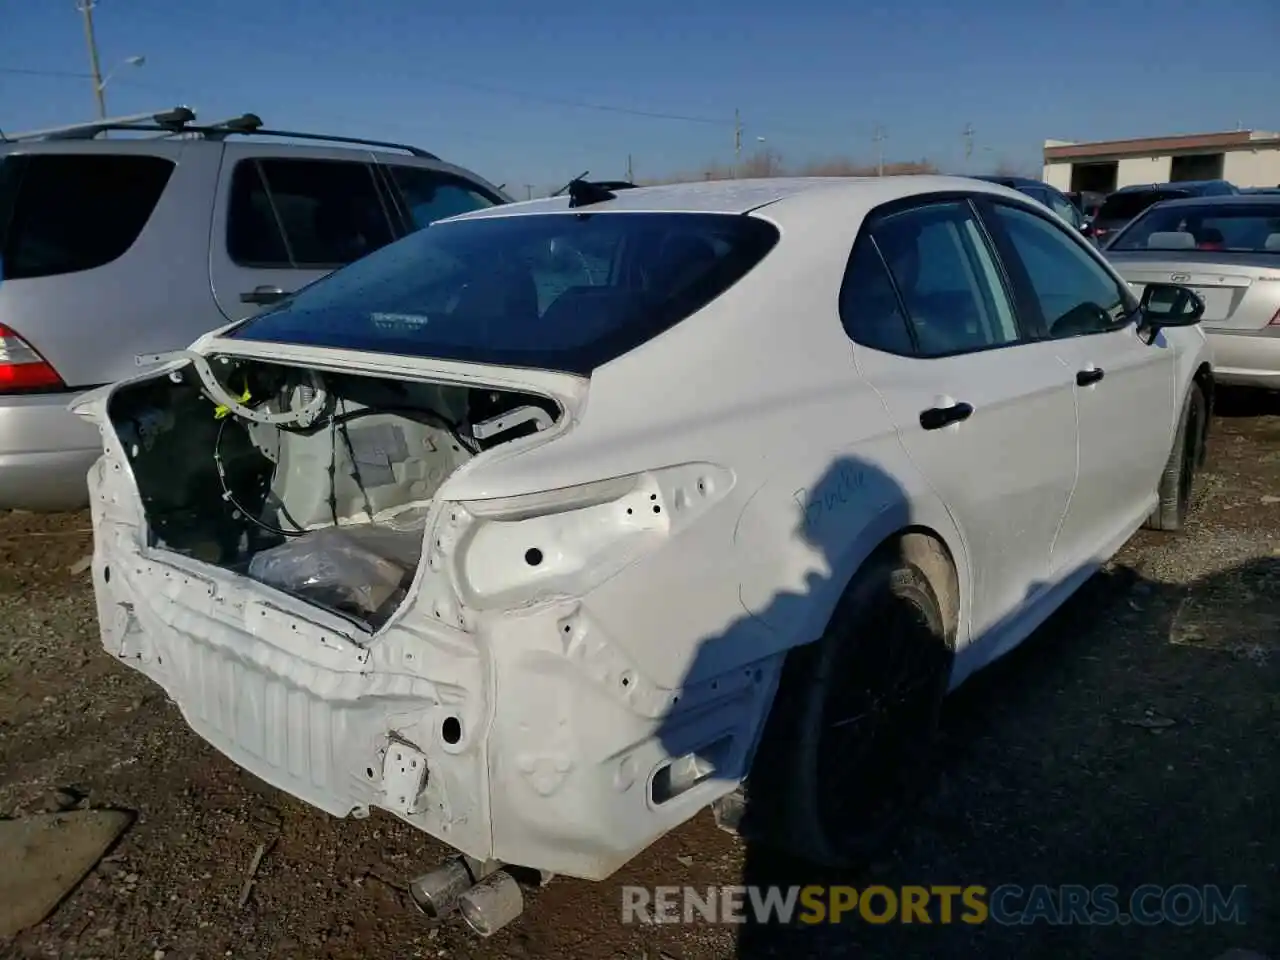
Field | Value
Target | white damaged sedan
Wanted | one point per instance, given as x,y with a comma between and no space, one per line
543,527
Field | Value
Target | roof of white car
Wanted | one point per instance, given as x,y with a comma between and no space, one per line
742,196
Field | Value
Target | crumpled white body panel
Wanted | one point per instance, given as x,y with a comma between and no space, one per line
525,736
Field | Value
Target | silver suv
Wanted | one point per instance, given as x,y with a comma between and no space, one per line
115,249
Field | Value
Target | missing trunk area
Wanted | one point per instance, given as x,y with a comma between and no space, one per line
316,483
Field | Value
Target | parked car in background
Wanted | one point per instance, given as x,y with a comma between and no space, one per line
530,526
1265,190
1087,202
1226,249
1051,197
111,249
1126,203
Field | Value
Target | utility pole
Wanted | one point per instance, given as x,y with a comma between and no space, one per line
528,191
968,144
86,9
878,138
631,177
737,141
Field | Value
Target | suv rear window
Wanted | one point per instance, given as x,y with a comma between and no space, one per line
1126,206
71,212
561,291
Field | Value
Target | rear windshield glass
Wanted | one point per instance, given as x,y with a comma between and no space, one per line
559,291
1126,206
66,213
1239,229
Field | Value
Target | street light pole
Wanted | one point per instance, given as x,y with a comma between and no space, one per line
86,9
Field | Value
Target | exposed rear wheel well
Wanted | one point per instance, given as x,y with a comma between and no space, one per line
926,550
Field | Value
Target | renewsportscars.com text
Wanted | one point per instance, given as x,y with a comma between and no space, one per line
1007,904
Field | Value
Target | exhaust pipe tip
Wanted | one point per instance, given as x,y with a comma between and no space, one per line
436,893
492,904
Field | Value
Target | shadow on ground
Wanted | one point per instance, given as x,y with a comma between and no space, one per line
1239,402
1130,741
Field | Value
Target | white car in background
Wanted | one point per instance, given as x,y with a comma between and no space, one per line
545,526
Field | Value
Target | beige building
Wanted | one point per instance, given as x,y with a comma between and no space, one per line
1247,158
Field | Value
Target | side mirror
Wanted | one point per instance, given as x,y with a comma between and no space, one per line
1169,305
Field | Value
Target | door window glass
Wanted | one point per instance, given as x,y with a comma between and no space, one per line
429,195
948,278
1076,294
304,214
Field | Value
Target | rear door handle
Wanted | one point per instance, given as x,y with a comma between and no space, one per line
1091,375
935,418
263,295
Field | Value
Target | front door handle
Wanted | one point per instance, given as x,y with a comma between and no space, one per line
1091,375
263,295
935,418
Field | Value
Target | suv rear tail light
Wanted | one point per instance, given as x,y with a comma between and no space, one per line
21,366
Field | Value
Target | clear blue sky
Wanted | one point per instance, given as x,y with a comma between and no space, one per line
485,82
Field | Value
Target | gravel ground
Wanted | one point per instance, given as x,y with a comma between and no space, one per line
1130,741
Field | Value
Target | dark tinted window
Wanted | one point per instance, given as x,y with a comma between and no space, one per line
1126,206
1076,295
561,291
869,306
1254,228
429,195
305,214
948,278
61,214
1064,208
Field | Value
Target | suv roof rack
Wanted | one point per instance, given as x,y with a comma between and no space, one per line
180,122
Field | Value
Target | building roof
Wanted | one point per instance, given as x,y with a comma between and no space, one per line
1063,150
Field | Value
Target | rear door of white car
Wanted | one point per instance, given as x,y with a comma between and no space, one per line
985,414
1124,386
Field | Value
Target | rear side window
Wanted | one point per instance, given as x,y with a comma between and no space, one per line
869,306
948,279
304,214
559,291
430,195
64,214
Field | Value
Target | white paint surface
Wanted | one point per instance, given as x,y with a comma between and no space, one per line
762,457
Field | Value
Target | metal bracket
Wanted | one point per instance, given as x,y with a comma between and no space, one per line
404,777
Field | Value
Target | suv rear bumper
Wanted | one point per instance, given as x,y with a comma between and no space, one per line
45,453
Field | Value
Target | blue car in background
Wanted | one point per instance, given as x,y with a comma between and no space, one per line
1051,197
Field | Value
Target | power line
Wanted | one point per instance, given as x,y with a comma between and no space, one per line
46,73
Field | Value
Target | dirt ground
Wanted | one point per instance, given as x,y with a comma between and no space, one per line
1132,740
